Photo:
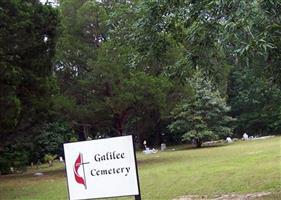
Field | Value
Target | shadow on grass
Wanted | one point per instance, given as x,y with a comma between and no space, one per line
158,158
193,147
155,160
51,174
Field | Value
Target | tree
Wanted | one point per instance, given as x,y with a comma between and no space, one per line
255,102
27,42
154,52
82,32
251,31
252,41
104,90
204,116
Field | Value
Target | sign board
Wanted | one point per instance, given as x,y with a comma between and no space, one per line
101,168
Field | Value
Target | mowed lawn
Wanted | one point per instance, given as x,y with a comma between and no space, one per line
242,167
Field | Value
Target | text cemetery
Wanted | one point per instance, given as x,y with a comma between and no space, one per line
110,156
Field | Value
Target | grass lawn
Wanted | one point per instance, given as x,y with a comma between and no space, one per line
241,167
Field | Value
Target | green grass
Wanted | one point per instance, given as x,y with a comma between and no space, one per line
242,167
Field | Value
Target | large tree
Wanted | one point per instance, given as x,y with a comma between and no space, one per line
27,42
105,90
251,33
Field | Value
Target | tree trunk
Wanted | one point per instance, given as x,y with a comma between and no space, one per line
158,137
119,121
86,131
118,124
139,133
198,143
82,131
81,135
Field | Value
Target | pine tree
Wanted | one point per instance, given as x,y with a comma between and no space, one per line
204,115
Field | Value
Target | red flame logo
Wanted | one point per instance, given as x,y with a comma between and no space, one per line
79,179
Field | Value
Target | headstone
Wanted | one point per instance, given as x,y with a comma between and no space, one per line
163,147
154,150
38,174
149,151
245,136
144,144
228,140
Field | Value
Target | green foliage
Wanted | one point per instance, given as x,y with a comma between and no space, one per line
119,60
122,66
252,40
104,90
204,115
255,103
16,156
49,158
50,140
252,35
27,39
82,27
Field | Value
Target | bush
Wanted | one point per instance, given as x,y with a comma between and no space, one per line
49,158
44,147
50,141
16,156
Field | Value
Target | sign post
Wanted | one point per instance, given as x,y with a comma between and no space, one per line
102,168
137,197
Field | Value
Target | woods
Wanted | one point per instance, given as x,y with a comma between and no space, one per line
163,71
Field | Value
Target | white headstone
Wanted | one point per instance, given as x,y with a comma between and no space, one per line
12,170
228,140
245,136
38,174
163,147
144,144
150,151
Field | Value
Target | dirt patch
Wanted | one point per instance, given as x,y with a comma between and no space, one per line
249,196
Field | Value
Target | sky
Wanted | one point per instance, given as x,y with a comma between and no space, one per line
50,1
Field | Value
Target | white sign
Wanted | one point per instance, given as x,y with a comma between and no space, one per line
101,168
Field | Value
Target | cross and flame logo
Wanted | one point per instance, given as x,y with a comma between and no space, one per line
79,179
